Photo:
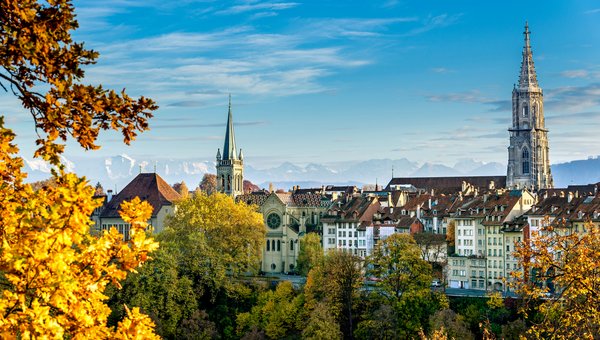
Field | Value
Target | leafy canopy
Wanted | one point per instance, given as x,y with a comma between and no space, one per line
53,272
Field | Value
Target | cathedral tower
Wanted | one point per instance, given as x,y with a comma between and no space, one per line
230,164
528,162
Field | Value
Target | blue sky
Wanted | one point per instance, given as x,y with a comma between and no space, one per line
330,81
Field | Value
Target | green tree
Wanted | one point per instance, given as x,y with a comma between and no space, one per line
321,324
161,293
278,313
214,240
336,283
397,262
310,253
452,324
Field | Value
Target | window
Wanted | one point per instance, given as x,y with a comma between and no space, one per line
273,245
268,245
331,240
331,231
525,111
525,159
278,245
292,245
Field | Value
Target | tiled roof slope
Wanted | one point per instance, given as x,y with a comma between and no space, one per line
149,187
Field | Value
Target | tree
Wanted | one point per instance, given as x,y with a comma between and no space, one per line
450,323
160,291
560,281
450,237
397,262
321,324
278,313
336,283
250,187
310,253
98,190
181,188
53,271
214,238
208,185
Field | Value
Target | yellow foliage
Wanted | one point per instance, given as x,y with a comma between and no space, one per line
53,271
561,279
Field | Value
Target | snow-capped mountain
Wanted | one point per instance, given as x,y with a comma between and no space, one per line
119,170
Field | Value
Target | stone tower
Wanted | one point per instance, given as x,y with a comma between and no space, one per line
230,164
528,162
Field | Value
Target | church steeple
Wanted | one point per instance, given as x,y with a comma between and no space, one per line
229,150
528,77
528,152
230,164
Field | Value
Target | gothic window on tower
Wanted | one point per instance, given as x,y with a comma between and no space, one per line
525,158
525,111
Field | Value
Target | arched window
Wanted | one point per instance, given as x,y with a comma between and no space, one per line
292,245
228,182
268,246
525,111
525,159
273,245
278,245
223,181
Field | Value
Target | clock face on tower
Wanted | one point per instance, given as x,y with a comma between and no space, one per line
273,221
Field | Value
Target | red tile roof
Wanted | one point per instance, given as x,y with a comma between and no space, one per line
149,187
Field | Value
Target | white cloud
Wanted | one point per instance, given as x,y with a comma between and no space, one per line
260,6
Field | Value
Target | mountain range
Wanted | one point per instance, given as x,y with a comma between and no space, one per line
115,172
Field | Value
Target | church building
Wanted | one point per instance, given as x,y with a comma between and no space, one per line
528,161
230,164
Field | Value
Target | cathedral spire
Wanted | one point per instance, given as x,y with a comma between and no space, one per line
229,147
527,78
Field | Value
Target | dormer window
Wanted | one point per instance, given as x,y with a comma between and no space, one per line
580,214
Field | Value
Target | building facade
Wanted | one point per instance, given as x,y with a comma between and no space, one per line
288,217
230,164
528,161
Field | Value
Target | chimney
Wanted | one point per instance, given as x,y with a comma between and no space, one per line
109,195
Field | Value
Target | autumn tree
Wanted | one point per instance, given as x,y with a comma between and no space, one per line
310,253
560,280
98,190
181,188
54,273
404,282
397,262
214,238
208,185
450,237
278,313
336,282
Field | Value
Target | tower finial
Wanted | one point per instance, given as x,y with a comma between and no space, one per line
527,77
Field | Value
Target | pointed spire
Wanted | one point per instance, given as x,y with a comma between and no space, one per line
218,154
241,155
528,77
229,152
